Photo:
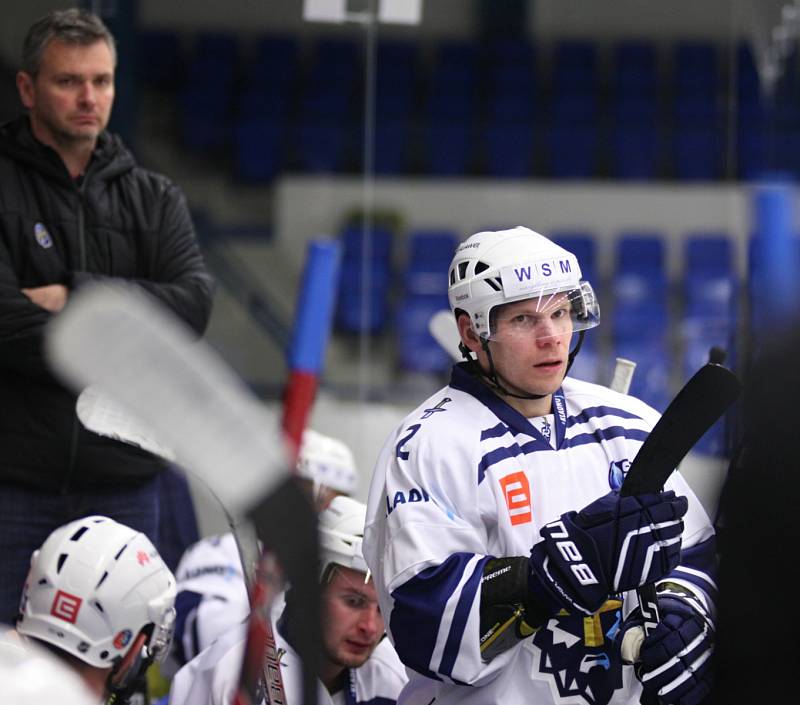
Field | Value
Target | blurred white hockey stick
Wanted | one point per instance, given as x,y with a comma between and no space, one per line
102,415
623,374
443,328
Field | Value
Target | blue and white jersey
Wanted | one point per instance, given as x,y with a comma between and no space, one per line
212,595
466,477
212,676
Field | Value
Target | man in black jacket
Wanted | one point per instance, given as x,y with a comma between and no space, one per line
75,208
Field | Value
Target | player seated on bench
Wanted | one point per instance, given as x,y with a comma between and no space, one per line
356,659
100,598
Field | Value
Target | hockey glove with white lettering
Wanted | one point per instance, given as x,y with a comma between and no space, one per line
675,659
612,545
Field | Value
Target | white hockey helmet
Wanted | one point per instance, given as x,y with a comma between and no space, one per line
99,591
492,268
341,531
31,675
327,461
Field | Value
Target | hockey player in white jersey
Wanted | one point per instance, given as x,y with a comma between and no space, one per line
212,595
358,665
99,596
504,557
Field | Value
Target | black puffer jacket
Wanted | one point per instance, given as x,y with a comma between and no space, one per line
120,221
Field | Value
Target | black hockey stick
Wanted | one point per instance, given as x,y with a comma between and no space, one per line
128,345
701,402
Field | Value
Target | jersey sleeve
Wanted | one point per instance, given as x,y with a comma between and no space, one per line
211,677
425,544
212,596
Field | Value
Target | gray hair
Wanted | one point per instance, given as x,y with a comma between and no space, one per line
73,26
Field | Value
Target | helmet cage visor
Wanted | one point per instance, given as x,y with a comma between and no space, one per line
543,314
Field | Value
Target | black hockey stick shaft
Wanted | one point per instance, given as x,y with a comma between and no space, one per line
701,402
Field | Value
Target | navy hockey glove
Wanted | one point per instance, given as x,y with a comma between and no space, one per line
675,659
612,545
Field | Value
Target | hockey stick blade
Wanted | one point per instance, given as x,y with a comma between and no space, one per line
442,326
623,375
121,340
701,402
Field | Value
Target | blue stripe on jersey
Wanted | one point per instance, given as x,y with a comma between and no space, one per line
605,434
701,560
499,454
598,412
496,432
377,700
418,608
186,603
459,623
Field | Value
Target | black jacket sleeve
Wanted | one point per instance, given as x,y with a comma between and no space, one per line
177,273
21,324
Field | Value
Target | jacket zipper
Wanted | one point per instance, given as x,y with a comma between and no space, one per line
73,450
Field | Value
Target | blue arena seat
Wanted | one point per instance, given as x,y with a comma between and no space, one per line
447,148
575,66
698,153
635,65
364,306
635,151
709,317
509,149
651,380
584,246
429,255
258,150
322,146
207,100
640,291
160,61
416,348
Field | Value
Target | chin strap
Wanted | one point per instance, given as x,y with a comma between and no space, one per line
492,378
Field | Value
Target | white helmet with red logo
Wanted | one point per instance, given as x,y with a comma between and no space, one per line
498,267
100,591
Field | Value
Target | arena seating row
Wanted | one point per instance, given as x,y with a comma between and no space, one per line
504,109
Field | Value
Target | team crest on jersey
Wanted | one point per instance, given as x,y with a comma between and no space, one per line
42,236
439,407
577,658
617,471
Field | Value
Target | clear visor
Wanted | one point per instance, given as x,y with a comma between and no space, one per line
549,314
161,639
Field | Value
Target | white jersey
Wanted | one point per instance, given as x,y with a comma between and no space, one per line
466,477
212,595
212,676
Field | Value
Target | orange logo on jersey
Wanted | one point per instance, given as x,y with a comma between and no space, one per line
517,492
